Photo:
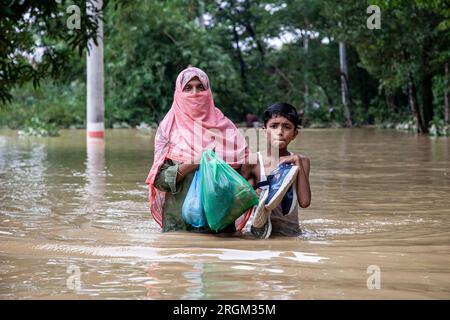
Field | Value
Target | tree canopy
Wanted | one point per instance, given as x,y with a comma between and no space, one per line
256,52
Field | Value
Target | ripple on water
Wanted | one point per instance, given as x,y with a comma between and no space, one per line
168,254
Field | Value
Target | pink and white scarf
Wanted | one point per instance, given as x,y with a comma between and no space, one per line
193,124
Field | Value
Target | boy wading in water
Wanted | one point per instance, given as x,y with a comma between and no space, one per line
282,177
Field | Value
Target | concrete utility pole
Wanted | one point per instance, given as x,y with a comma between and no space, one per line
95,87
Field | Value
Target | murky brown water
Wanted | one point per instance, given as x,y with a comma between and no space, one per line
380,198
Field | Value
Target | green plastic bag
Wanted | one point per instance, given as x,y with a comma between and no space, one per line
226,195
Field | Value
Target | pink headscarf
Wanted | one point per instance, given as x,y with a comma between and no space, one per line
192,124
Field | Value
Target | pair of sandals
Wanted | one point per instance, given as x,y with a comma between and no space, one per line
279,191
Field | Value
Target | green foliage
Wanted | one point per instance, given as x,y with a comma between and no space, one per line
439,127
35,42
37,127
62,105
147,43
147,51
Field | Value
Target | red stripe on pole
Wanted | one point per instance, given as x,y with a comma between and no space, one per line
96,134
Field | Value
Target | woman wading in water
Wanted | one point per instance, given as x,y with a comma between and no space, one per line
192,124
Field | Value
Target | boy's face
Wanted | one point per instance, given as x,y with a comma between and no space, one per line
280,132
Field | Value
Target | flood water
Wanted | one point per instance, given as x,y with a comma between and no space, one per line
74,224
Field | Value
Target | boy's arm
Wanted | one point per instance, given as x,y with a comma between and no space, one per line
303,188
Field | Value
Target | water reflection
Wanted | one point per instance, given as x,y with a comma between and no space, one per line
23,185
95,174
165,281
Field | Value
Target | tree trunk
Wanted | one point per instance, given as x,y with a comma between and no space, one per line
414,107
232,14
427,98
427,83
95,82
390,100
252,33
240,58
305,75
344,83
201,13
327,94
447,96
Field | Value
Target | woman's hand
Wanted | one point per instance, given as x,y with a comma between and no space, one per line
184,169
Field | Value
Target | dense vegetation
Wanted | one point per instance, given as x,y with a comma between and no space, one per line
256,52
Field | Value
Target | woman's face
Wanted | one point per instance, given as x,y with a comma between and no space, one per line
194,86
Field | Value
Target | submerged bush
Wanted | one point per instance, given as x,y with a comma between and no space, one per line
36,127
439,127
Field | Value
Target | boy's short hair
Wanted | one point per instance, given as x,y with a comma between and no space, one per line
284,110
